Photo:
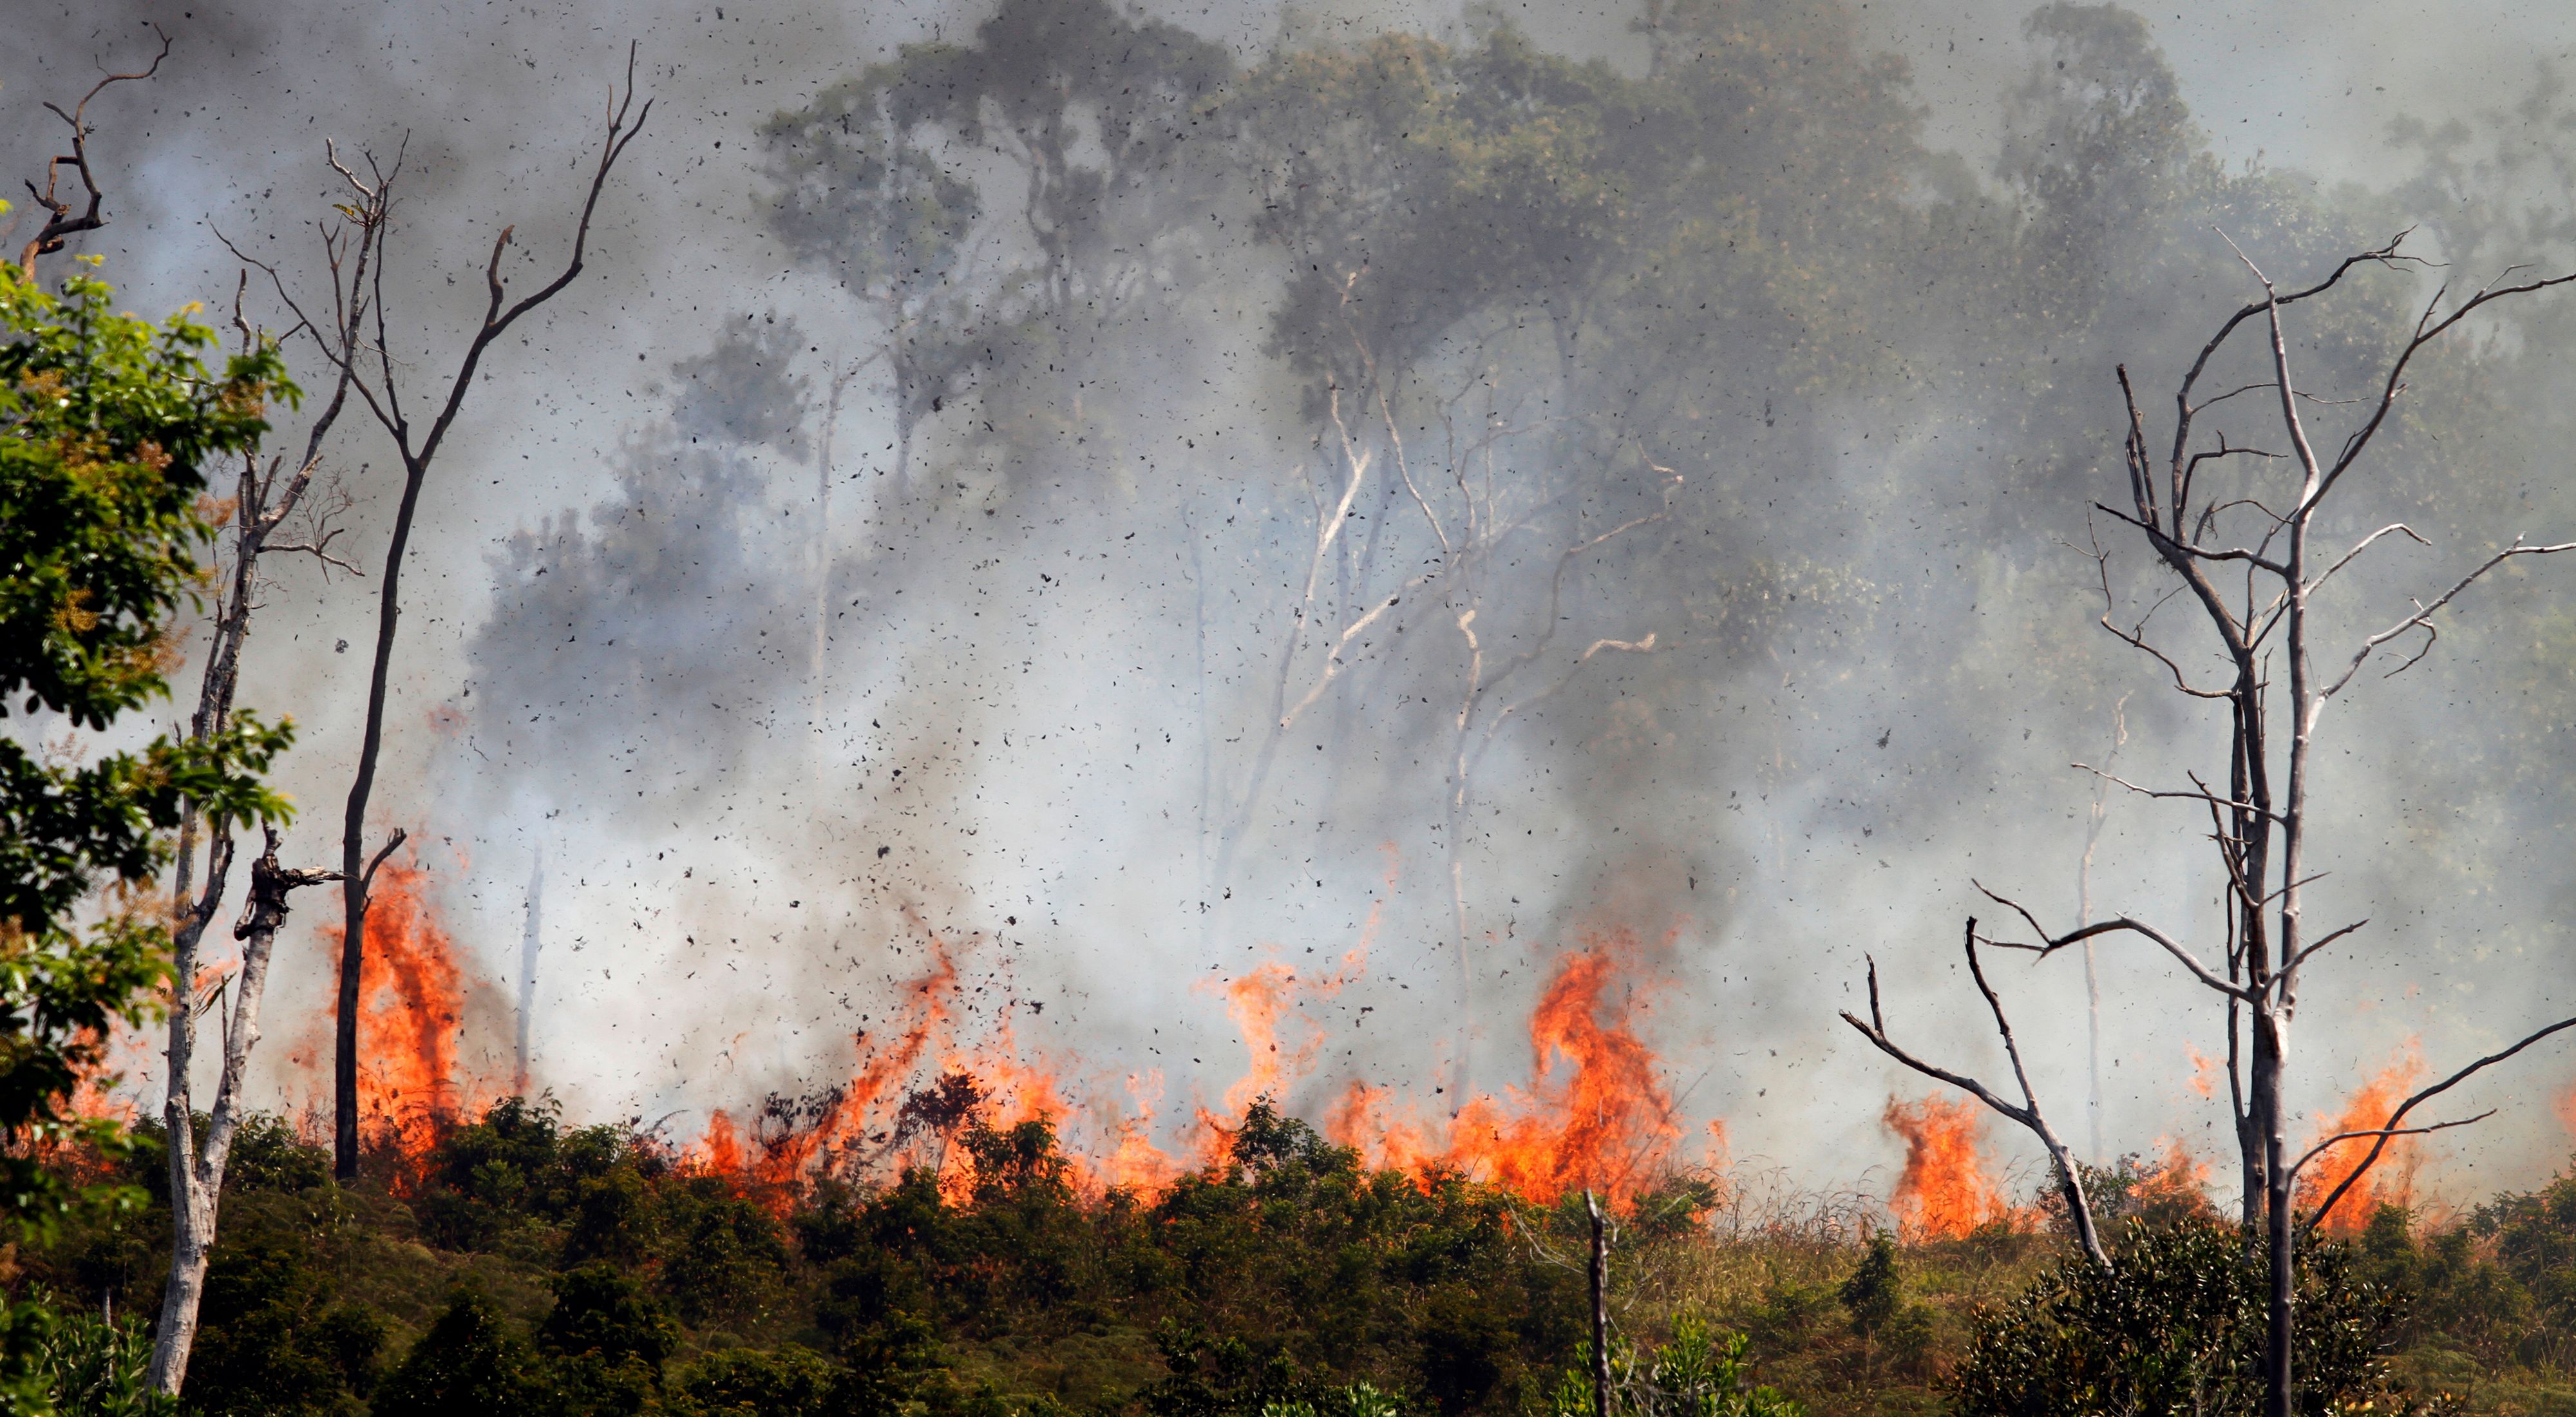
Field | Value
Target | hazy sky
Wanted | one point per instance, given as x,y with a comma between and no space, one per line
501,104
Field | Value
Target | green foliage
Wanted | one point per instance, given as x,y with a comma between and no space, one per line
2178,1325
1353,1400
1699,1373
88,1367
272,1337
515,1181
725,1256
470,1360
1875,1292
106,425
789,1381
599,1310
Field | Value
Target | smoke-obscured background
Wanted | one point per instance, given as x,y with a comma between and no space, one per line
909,523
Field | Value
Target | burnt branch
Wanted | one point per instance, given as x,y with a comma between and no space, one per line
2398,1117
2027,1114
60,223
2364,545
2051,944
2422,619
2383,1133
2427,330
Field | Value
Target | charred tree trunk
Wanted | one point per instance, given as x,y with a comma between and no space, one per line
197,1178
1600,1305
383,395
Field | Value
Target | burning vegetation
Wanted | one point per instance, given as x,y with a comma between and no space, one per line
1493,523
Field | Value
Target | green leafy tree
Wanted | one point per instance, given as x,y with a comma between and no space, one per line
272,1341
471,1360
107,426
743,1382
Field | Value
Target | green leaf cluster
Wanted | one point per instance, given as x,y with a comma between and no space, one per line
108,427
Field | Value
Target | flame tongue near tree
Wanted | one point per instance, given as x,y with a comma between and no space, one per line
2391,1181
411,1005
1944,1192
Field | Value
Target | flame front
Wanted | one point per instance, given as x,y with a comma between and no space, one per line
411,1004
1595,1111
2391,1181
1944,1192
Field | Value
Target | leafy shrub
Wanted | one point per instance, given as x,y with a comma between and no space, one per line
470,1361
2177,1325
724,1258
742,1382
94,1368
270,1340
1699,1373
600,1311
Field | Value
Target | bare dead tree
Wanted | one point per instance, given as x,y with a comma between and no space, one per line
357,285
268,499
197,1174
2093,820
62,222
1474,511
2262,819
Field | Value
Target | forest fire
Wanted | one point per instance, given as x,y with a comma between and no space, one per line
1595,1111
1944,1192
411,1002
1595,1114
2391,1181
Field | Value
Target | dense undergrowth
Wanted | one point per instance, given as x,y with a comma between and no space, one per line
520,1266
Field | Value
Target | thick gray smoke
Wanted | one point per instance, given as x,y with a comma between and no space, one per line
921,518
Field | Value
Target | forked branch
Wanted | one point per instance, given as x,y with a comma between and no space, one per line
2070,1182
2051,944
2393,1126
2422,619
60,222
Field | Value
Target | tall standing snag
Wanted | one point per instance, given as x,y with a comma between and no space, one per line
266,500
360,287
2261,819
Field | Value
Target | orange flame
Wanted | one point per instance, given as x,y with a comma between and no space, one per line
1944,1192
411,1005
2204,1070
2179,1183
1596,1113
2391,1181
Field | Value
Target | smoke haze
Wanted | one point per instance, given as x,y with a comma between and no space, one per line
788,632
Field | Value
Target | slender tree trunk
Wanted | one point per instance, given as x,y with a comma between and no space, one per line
531,939
356,875
2092,991
1600,1306
1455,830
194,1204
1207,734
840,383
